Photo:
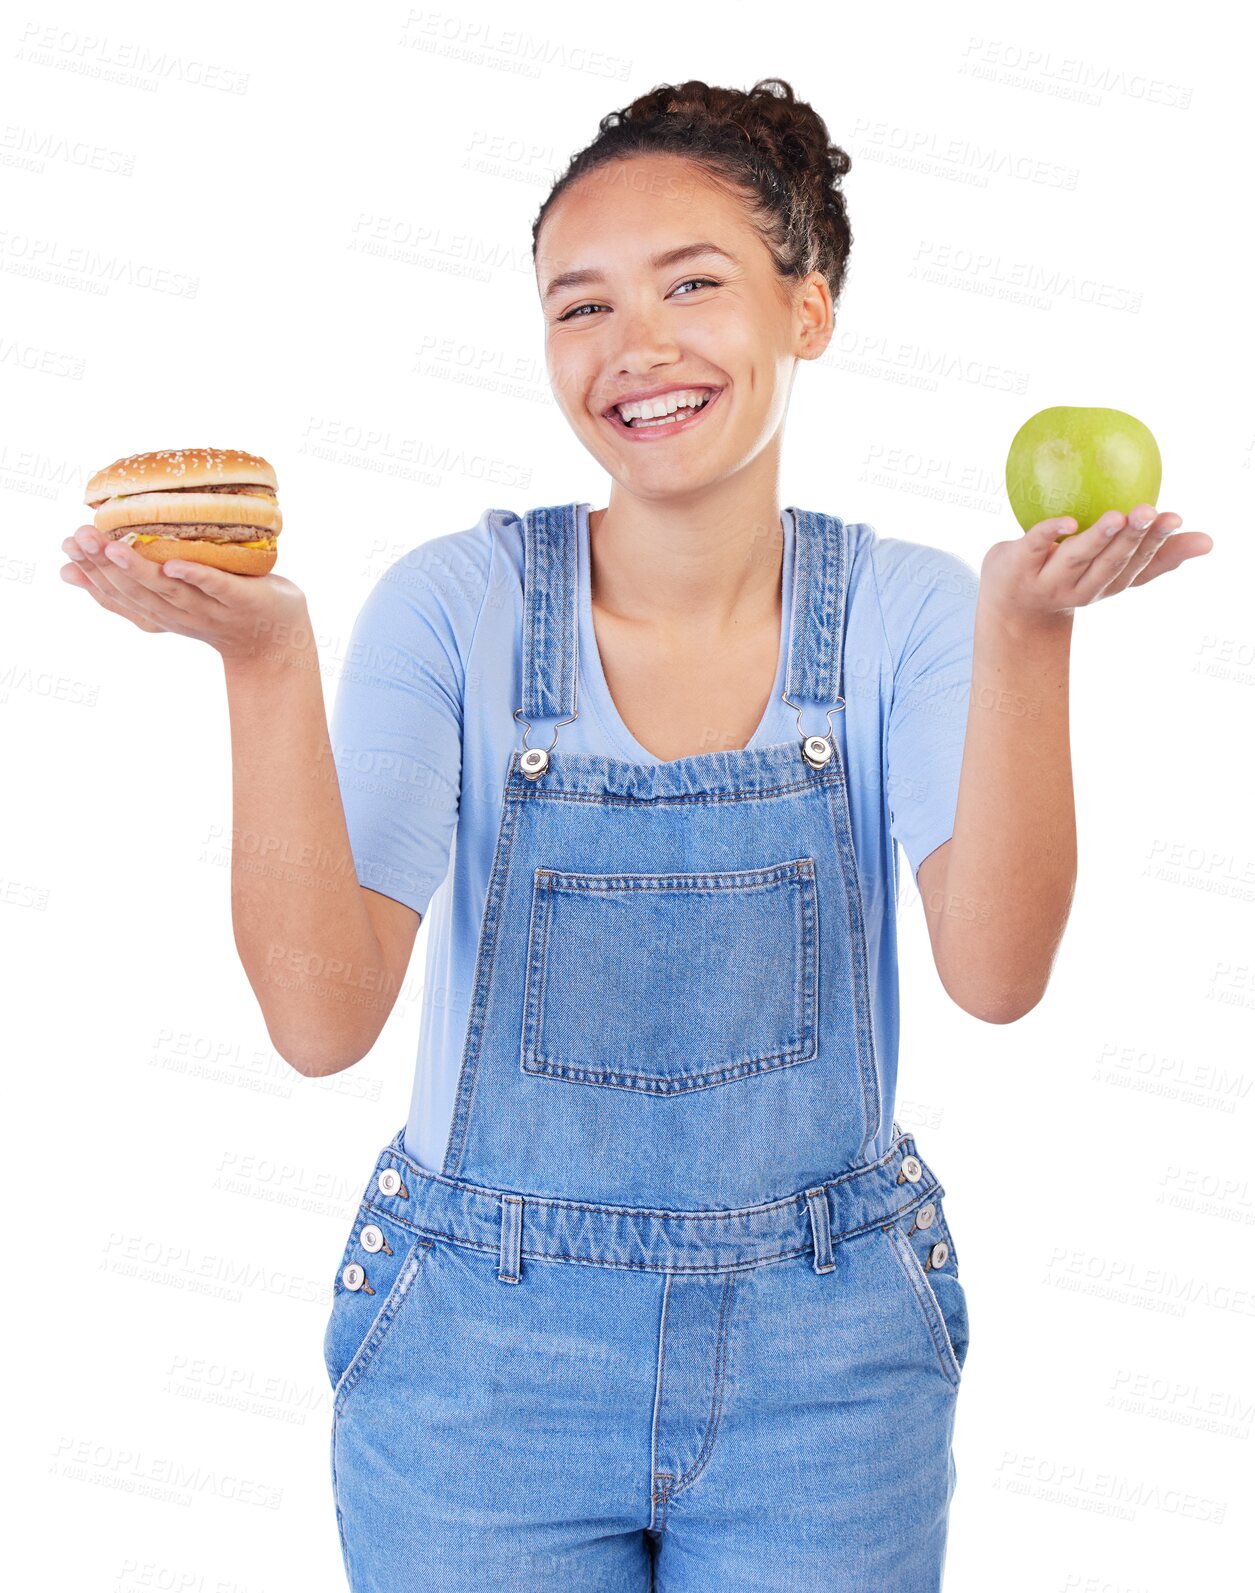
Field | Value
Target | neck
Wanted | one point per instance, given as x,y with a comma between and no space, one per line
699,567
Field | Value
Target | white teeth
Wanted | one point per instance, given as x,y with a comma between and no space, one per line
666,404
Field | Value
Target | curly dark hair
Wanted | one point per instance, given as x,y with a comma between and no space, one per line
765,144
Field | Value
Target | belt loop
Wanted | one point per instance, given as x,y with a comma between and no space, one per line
821,1231
511,1238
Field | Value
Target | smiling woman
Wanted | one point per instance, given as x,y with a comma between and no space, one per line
676,740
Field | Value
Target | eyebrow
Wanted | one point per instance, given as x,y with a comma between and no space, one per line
686,251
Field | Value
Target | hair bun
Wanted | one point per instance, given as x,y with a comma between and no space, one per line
794,149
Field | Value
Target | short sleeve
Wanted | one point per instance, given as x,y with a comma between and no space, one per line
396,726
928,601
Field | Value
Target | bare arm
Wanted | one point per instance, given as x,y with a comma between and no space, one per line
325,955
997,894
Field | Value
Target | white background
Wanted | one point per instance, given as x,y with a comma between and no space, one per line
306,232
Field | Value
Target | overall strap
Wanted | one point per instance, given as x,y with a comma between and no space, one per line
821,567
550,613
821,573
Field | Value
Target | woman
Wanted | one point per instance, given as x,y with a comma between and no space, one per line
650,1289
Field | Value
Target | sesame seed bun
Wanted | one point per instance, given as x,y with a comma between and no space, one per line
222,510
179,467
232,556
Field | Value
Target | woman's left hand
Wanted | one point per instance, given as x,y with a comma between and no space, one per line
1051,571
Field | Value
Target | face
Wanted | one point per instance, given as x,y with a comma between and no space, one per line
645,315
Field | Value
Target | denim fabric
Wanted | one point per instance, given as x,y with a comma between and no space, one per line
668,1317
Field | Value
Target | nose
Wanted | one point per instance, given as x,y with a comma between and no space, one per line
644,341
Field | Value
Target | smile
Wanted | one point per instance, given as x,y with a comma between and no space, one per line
684,419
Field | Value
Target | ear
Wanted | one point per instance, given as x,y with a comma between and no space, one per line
814,316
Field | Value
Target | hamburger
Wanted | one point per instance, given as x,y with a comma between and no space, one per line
214,506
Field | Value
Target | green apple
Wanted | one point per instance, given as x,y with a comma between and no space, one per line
1081,462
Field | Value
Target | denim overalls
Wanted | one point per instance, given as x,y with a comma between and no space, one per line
665,1319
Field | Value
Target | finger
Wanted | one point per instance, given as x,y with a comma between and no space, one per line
116,575
1173,553
115,585
86,566
140,575
142,583
1071,558
88,540
75,575
205,578
105,555
1112,539
1041,539
91,545
1142,514
1130,552
105,591
124,561
86,547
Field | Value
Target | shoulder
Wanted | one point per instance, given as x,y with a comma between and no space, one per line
907,573
916,585
443,581
447,570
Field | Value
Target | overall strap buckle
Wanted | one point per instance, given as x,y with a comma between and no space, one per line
817,750
535,760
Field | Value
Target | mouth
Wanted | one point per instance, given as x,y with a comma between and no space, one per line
683,419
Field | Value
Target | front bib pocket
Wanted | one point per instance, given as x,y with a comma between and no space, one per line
665,983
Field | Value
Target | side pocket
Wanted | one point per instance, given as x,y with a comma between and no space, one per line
948,1290
926,1259
377,1271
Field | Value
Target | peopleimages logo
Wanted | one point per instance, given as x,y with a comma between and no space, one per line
86,269
1105,1492
31,149
1130,1282
132,64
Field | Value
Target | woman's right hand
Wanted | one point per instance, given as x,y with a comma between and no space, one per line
243,617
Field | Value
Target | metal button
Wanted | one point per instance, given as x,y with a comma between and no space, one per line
353,1276
534,762
389,1181
372,1238
912,1169
817,750
924,1216
939,1254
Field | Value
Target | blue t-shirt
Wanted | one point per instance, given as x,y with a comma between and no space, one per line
423,729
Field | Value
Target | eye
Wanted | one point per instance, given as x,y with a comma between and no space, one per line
578,312
710,281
